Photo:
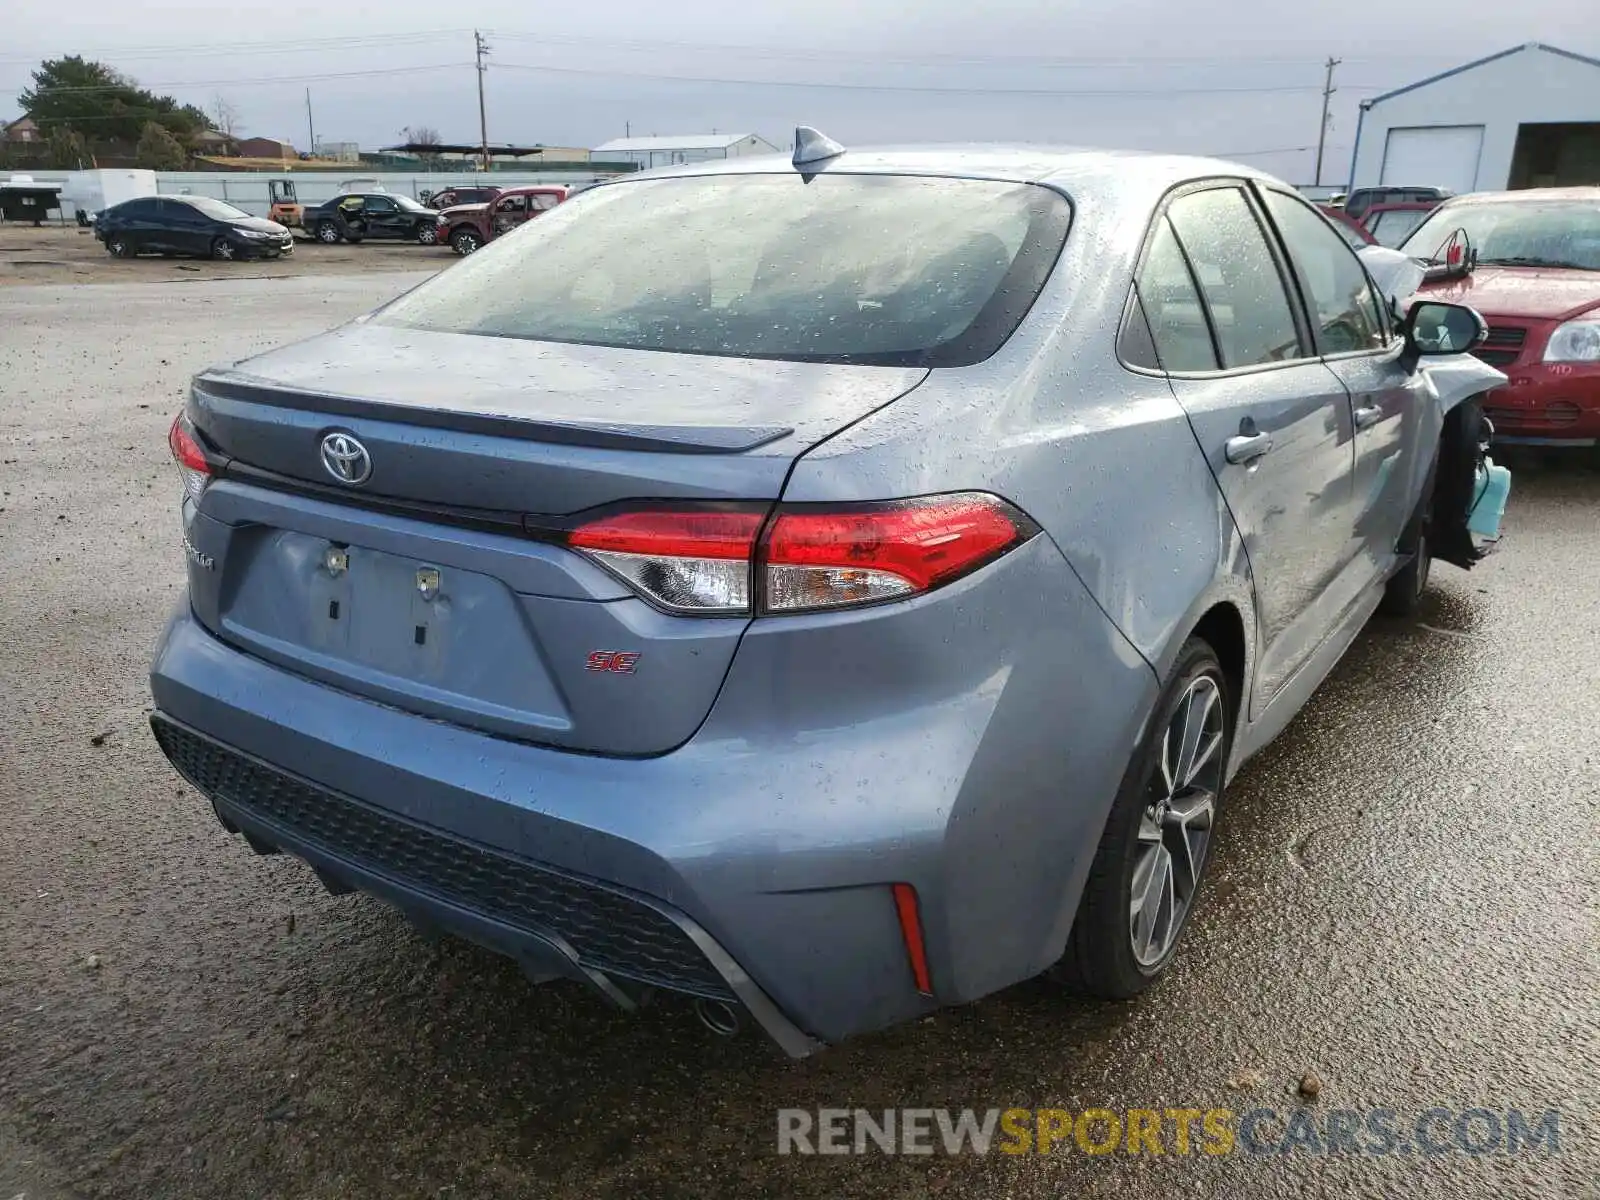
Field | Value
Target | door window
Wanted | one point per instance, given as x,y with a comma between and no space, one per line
1238,278
544,201
380,206
1344,308
1171,303
513,204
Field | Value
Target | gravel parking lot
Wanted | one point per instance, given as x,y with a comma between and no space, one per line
1403,899
55,254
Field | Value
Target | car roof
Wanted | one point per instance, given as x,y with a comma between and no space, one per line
1085,174
1550,193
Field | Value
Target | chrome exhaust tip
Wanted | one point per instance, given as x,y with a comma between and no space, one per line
720,1017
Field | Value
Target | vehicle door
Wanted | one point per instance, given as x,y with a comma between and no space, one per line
1356,338
158,226
188,230
1273,421
139,220
352,212
506,213
384,218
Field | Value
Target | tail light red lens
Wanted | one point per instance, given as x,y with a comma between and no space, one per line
812,557
191,459
834,558
690,561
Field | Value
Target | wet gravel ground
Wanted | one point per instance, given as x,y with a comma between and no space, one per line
1403,898
65,254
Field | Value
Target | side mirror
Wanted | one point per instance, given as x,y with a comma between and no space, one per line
1432,328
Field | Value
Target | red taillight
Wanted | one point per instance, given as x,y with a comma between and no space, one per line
191,459
831,558
905,905
813,557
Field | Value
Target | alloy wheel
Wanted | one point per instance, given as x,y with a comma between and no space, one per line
1175,827
327,233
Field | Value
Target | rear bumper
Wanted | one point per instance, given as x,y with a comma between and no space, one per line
753,864
518,908
1552,404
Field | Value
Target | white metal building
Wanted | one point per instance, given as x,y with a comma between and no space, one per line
1526,117
684,148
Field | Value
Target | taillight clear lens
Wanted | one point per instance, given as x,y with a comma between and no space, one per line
836,558
191,460
685,561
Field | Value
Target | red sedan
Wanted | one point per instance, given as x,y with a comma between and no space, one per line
1537,284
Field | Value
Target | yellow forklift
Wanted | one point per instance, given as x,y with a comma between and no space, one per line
286,208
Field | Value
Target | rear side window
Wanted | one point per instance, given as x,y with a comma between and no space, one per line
1238,277
890,270
1343,306
1172,307
1394,226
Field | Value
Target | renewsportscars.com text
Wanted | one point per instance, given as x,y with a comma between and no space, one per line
1168,1131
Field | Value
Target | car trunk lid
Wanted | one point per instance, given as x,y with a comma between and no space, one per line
418,586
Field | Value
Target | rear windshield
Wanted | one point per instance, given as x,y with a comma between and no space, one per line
890,270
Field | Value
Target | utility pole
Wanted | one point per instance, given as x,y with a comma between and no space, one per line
482,48
1322,130
311,129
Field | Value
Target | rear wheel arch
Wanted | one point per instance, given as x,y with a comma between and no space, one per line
1223,629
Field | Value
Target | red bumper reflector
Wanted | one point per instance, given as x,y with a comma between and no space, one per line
905,903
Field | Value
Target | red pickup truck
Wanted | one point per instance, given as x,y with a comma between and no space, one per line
466,227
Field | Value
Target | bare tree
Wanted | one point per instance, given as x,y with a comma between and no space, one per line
226,116
426,140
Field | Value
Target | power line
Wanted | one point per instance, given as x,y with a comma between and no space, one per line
936,89
229,49
1259,153
348,41
264,80
872,56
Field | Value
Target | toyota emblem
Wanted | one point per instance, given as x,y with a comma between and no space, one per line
345,458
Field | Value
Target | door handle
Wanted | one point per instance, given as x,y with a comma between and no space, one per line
1247,447
1368,416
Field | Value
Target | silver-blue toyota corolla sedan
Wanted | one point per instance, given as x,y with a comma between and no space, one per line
826,589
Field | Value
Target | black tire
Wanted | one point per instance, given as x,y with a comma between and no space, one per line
1402,595
327,233
427,233
120,245
1147,817
465,241
224,250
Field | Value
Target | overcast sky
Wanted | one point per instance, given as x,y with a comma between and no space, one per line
1241,78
